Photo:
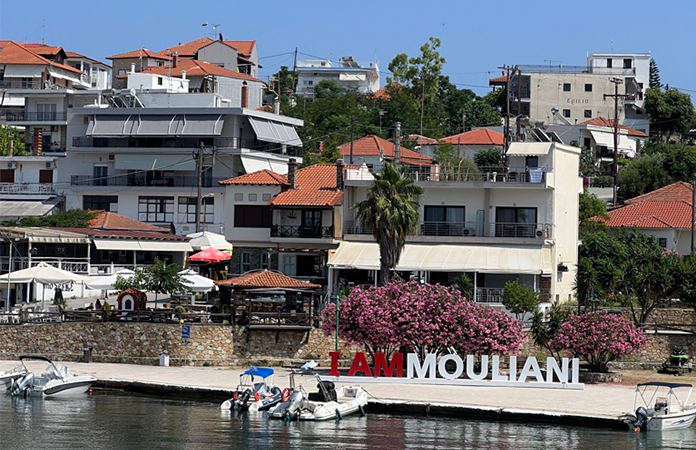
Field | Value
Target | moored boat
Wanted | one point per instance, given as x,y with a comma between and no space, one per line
252,395
56,380
667,413
9,376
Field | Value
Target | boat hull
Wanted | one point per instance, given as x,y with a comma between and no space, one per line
674,421
7,378
352,400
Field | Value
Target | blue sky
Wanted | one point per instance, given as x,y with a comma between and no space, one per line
476,36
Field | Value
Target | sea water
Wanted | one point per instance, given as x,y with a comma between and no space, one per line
109,420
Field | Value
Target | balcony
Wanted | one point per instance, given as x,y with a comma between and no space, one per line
494,296
138,180
19,115
538,231
499,174
294,231
170,142
27,188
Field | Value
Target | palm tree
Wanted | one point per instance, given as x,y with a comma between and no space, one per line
391,210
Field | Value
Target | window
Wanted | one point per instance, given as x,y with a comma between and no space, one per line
253,197
311,218
7,175
566,87
46,111
588,113
566,113
532,162
156,209
588,87
252,216
587,142
122,71
290,265
515,222
609,63
100,175
100,203
444,221
238,197
246,262
628,63
266,197
187,209
160,81
46,176
662,242
265,261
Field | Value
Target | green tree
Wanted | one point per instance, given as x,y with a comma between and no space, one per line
391,210
8,133
519,299
72,218
545,326
654,75
670,112
641,175
163,278
453,167
490,159
465,284
591,206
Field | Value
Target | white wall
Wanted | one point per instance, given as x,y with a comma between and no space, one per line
244,235
140,81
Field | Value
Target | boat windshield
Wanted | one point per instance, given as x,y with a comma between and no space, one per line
57,370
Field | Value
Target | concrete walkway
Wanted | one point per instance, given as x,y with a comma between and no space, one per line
604,402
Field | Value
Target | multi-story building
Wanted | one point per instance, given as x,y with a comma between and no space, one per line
467,144
374,151
573,94
349,74
135,152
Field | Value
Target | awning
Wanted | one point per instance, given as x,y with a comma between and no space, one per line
202,125
270,131
64,74
107,125
528,149
155,162
23,70
626,145
142,245
447,258
156,125
252,164
14,209
116,244
352,76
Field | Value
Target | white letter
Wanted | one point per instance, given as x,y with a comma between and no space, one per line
552,367
442,367
412,363
496,370
513,368
470,368
576,371
531,366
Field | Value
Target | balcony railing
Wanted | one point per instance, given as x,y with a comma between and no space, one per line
27,188
170,142
29,84
138,180
495,295
293,231
469,229
493,174
15,115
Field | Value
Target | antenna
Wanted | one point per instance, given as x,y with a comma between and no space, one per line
612,45
43,31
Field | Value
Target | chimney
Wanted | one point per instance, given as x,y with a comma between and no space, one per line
183,74
132,68
10,146
276,105
245,95
175,59
292,168
397,144
38,142
340,184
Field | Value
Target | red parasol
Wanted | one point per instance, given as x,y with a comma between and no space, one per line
210,256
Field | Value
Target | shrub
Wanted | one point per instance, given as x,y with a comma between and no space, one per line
519,299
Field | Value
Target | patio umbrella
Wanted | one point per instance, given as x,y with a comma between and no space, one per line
210,256
196,282
42,273
206,239
106,282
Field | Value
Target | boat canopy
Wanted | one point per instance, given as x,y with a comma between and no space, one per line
263,372
665,384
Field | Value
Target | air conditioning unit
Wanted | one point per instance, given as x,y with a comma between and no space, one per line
112,157
50,165
11,165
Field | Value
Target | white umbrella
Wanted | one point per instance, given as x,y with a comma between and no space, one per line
42,273
106,282
206,239
195,282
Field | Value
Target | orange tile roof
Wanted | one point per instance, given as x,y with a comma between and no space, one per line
141,52
13,53
651,214
421,140
243,47
372,145
195,68
43,49
81,56
107,220
262,177
315,186
481,136
497,81
266,279
675,192
603,122
188,49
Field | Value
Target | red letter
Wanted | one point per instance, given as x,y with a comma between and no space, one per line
359,365
396,363
334,364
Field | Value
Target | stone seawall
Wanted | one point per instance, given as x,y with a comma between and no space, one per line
142,343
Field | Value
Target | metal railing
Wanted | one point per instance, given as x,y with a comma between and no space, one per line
495,295
75,265
14,115
294,231
142,180
468,229
36,83
500,174
169,142
28,188
560,68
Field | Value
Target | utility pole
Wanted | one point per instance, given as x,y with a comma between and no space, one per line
422,106
693,210
352,136
294,64
519,103
397,143
615,167
507,108
464,122
199,182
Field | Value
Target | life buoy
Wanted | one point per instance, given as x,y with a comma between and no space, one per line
285,396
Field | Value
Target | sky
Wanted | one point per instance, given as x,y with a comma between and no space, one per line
477,37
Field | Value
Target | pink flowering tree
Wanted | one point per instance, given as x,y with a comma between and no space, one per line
483,330
598,337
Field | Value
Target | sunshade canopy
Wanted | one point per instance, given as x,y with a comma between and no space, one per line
210,255
263,372
106,282
206,239
665,384
195,282
42,273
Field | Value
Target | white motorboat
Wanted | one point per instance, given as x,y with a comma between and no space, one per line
9,376
57,380
666,413
262,394
325,404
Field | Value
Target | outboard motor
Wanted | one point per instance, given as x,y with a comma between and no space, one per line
243,400
641,418
23,385
294,405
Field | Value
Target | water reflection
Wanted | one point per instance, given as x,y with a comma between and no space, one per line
116,421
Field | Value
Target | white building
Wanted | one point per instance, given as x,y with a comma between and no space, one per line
134,153
349,74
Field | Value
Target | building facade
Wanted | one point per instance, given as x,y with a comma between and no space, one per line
348,74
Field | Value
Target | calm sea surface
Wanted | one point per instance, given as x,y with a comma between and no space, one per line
118,421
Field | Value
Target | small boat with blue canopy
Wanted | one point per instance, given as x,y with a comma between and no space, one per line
661,407
255,391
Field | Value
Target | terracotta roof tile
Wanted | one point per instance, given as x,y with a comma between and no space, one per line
107,220
603,122
315,186
498,81
675,192
13,53
266,279
81,56
372,145
141,52
651,214
262,177
195,68
188,49
126,234
43,49
243,47
481,136
422,140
